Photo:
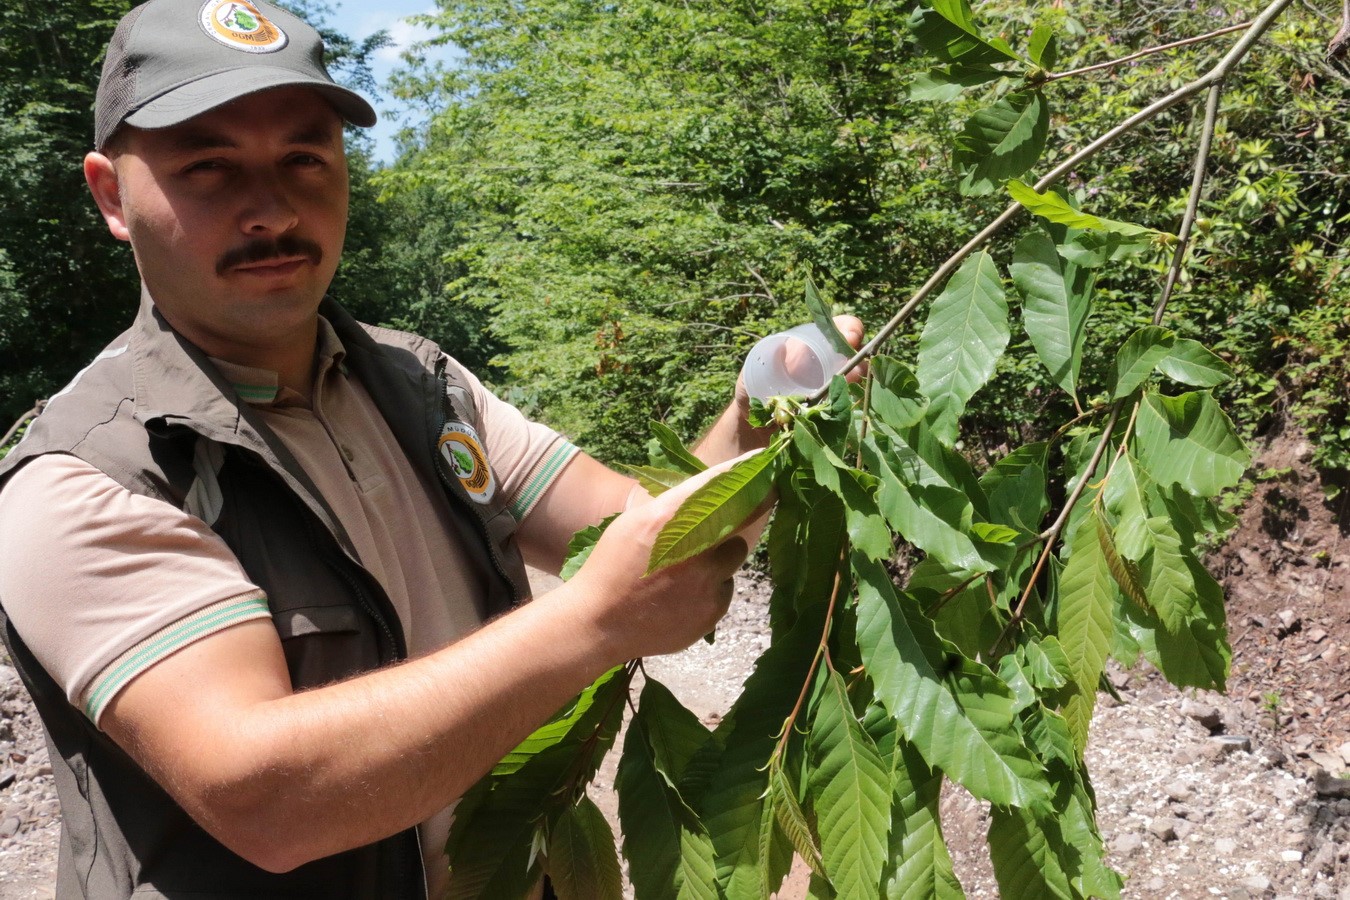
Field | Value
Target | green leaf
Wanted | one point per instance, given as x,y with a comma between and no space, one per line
656,481
1191,362
966,333
918,865
781,803
1026,863
580,546
1196,655
950,43
1001,142
732,807
824,319
1138,357
1086,592
596,710
956,712
1053,208
1123,570
667,451
867,530
669,853
851,794
1187,440
1015,486
896,399
715,509
583,863
946,83
674,733
1094,249
1041,47
1054,316
959,14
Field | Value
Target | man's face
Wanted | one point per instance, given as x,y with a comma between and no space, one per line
236,218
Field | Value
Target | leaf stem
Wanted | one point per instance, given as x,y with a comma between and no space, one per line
1112,63
822,649
1221,69
1051,534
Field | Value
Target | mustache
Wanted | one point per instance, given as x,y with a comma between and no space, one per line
264,250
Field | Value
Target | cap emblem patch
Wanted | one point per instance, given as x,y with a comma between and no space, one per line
239,24
463,452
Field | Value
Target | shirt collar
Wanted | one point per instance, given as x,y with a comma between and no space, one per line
261,387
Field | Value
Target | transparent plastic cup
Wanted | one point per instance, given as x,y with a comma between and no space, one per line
795,362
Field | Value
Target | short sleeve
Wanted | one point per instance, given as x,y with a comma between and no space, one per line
525,456
102,583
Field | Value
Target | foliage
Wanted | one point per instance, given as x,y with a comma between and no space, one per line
981,665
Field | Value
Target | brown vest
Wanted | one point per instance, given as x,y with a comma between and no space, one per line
142,412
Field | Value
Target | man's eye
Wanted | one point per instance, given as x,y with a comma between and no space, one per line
306,159
205,165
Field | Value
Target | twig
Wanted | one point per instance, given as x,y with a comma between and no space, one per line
23,419
1255,30
1109,64
821,649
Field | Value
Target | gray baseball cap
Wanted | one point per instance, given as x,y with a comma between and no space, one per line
170,60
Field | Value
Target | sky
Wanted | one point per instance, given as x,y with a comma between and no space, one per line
359,19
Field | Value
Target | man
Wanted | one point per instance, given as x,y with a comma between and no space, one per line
245,556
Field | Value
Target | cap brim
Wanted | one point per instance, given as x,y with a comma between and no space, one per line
205,94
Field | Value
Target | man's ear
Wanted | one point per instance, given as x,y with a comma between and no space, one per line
101,176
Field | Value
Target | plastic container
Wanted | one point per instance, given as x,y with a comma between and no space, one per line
795,362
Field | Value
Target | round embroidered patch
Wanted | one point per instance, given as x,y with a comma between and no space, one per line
463,451
239,24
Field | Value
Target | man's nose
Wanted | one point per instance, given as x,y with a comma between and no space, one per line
268,208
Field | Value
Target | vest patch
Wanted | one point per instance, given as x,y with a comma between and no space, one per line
463,452
239,24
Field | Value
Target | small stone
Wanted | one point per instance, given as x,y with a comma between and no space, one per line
1343,807
1156,883
1232,743
1178,792
7,777
1225,846
1164,829
1183,828
1206,715
1257,884
1126,845
1317,636
1291,856
1324,860
10,826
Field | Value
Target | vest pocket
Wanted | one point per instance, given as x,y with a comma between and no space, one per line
307,620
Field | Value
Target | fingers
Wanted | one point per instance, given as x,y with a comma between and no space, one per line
851,327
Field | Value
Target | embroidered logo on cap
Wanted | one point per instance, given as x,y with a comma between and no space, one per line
239,24
462,449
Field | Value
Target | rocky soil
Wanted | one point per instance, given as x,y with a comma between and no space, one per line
1200,795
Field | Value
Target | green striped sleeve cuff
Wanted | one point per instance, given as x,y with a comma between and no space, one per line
167,640
541,478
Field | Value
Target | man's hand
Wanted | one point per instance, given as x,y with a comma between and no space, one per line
646,615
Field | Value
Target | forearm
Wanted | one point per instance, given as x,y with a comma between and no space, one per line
307,775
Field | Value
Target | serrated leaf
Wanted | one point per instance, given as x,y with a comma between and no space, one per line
583,863
1187,440
1054,208
1055,317
918,865
580,546
966,333
666,447
1093,249
824,320
669,853
946,83
1001,141
715,509
867,530
1015,486
1126,496
1025,862
787,813
1123,570
1191,362
955,711
596,710
732,807
1083,625
1170,588
1137,358
656,481
1196,655
851,794
959,14
896,399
